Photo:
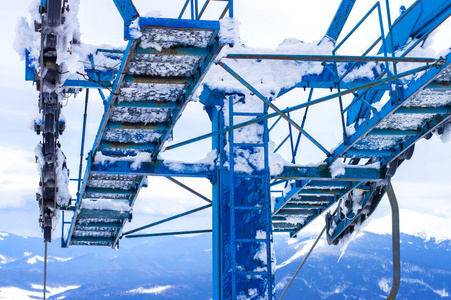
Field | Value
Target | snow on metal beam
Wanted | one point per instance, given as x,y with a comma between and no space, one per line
322,172
421,17
171,23
159,168
369,124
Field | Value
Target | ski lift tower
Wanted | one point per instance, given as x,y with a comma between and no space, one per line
388,100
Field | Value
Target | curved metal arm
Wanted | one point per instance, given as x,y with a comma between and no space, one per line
395,243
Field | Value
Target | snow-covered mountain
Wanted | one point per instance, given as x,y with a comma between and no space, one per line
180,268
364,271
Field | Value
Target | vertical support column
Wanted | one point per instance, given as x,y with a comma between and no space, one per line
242,230
230,8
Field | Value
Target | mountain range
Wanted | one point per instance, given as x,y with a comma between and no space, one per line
180,268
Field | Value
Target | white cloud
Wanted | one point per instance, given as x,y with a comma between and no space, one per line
414,223
5,260
155,290
163,197
33,260
427,197
61,259
18,177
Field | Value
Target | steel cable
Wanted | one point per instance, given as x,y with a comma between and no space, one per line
45,269
303,262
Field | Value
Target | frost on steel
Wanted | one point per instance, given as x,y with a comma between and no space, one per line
387,98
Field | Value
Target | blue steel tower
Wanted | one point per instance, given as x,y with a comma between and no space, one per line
388,100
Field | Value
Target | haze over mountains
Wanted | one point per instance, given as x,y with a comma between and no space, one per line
180,268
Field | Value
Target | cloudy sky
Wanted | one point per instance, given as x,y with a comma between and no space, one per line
422,184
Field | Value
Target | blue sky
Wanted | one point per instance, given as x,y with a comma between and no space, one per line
422,184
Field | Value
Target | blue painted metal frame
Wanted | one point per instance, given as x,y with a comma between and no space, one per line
227,180
399,32
339,20
197,79
330,58
370,11
329,78
194,9
169,233
86,84
388,156
322,172
158,168
179,23
368,124
141,183
82,146
127,10
204,99
421,17
127,56
345,219
99,78
174,23
394,77
268,102
242,257
30,70
167,219
336,197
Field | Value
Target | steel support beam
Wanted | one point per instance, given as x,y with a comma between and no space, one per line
242,227
159,168
322,172
332,58
127,10
166,220
339,19
373,121
169,233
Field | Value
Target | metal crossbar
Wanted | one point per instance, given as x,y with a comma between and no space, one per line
169,233
195,14
167,219
301,106
332,58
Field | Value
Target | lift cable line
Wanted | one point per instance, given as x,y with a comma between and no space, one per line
45,269
302,264
188,188
385,102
